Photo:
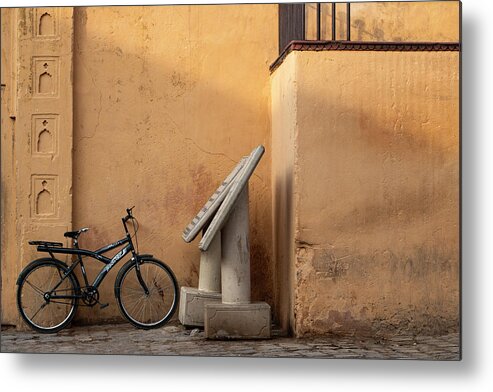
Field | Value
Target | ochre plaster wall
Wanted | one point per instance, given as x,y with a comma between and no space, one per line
376,191
416,21
167,100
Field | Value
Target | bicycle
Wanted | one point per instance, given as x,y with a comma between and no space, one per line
49,292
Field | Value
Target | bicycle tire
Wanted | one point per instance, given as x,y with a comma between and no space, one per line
40,269
132,300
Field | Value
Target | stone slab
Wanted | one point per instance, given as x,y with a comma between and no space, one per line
237,321
192,302
239,182
211,206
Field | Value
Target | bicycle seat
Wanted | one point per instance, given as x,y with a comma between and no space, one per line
75,234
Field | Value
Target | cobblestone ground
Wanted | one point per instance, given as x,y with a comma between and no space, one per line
176,340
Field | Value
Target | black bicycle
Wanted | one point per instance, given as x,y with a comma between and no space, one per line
49,292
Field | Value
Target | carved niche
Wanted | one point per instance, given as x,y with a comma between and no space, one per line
45,77
44,134
44,197
45,23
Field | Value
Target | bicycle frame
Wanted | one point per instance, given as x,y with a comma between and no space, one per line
98,255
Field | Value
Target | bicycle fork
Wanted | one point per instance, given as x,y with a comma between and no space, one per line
139,277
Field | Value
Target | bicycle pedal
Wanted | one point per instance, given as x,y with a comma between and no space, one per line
102,306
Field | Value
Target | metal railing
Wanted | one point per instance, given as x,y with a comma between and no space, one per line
293,22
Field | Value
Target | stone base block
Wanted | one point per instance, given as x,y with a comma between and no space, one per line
245,321
192,302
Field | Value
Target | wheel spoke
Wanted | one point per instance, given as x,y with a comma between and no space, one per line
60,303
51,281
143,307
137,303
40,308
52,314
35,288
153,309
158,305
138,290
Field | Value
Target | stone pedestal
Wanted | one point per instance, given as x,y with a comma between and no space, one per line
235,262
192,300
192,305
210,267
237,321
225,266
236,317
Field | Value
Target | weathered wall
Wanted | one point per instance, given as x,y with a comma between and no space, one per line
418,21
433,21
167,100
376,192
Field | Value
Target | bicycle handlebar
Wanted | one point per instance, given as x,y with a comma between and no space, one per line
129,214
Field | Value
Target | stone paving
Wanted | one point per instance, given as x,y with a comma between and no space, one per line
174,339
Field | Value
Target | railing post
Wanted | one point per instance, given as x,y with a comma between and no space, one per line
291,24
303,21
333,21
348,21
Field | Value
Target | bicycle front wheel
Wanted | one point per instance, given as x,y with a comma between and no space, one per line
38,283
151,309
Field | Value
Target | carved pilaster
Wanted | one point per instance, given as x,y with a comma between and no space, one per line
42,142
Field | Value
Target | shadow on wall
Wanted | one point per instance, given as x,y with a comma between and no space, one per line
393,168
283,229
376,188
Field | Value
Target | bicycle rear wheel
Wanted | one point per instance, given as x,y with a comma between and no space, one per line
150,310
36,285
